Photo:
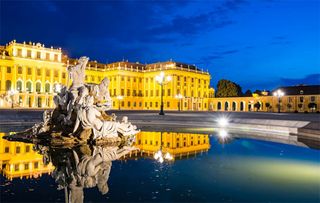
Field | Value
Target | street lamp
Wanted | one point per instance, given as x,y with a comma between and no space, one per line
278,94
162,80
179,97
119,98
11,93
159,154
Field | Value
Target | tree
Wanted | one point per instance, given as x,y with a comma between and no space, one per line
312,106
257,106
248,93
227,88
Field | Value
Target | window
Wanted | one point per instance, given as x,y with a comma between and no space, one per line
128,92
169,92
36,165
56,57
8,85
301,99
28,148
312,98
63,75
16,167
29,71
56,73
114,92
140,93
26,166
38,87
151,93
8,69
47,56
128,104
38,54
19,70
48,73
38,71
6,150
134,79
150,104
146,104
122,103
122,78
134,104
19,85
18,149
29,86
146,93
290,99
20,52
140,104
168,104
156,104
47,88
157,93
29,53
122,91
134,93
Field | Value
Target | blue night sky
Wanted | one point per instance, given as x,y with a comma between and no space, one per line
258,44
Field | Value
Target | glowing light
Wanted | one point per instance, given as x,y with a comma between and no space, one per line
160,158
57,88
223,122
223,134
278,93
119,97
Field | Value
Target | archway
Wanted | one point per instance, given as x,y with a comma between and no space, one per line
219,106
234,106
226,106
8,85
242,106
38,87
29,86
19,85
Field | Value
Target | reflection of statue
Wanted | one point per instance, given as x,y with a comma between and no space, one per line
83,167
80,116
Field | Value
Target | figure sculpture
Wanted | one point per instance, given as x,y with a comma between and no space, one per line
80,113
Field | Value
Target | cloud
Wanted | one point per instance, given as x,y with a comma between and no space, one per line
311,79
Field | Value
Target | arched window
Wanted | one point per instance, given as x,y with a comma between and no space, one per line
19,85
29,86
234,106
241,106
38,87
8,85
47,88
226,106
219,106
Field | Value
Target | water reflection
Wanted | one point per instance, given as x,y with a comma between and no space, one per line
19,160
82,167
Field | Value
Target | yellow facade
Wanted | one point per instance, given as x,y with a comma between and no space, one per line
29,72
289,103
19,160
177,144
32,70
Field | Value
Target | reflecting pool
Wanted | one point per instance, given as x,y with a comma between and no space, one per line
161,167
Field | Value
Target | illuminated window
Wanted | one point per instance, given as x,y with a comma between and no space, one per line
140,104
6,150
19,85
47,88
29,86
36,165
26,166
17,149
29,53
8,69
38,54
56,57
134,93
38,87
29,71
47,56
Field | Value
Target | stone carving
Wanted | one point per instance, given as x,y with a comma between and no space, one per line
80,113
82,167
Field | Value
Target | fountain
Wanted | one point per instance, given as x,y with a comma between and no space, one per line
80,115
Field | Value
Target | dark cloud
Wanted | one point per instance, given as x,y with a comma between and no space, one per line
311,79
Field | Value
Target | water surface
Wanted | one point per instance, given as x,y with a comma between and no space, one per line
201,168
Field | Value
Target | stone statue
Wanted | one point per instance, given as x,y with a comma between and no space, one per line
80,114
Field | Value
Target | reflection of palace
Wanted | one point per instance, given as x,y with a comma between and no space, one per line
17,159
30,70
177,144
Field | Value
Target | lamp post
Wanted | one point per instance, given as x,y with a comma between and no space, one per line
162,80
159,154
11,93
119,98
278,94
179,97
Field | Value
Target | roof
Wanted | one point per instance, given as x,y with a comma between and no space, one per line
166,63
300,90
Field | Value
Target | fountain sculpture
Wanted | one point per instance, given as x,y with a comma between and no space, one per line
79,115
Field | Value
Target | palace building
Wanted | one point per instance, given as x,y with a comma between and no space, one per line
30,71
